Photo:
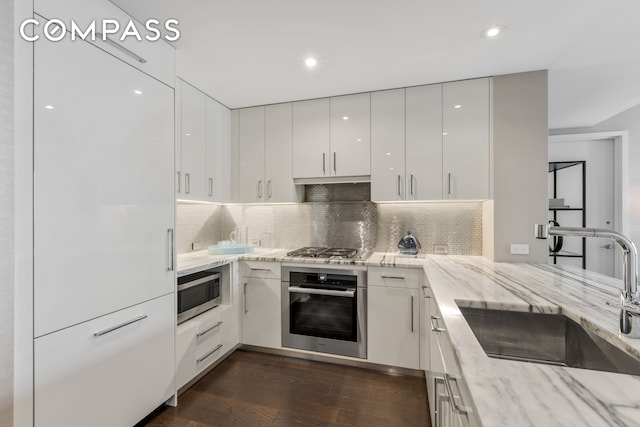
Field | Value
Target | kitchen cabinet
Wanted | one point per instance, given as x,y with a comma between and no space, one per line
393,305
424,142
388,145
261,309
331,137
265,155
109,371
466,147
103,179
203,149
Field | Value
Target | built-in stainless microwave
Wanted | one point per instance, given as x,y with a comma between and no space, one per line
197,293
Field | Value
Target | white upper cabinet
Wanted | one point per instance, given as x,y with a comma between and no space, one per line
388,145
424,143
278,163
203,146
193,140
350,135
311,138
103,185
217,149
251,185
466,124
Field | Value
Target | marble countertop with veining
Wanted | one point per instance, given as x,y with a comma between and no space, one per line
509,393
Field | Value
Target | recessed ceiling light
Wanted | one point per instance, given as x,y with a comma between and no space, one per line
345,117
388,154
359,139
49,107
445,133
187,134
310,62
493,31
137,92
457,106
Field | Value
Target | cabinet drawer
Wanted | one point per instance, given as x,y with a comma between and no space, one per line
201,328
203,356
396,277
125,360
261,269
155,58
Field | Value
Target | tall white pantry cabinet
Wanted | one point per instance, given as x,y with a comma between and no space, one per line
104,214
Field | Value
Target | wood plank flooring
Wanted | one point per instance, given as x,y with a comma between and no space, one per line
257,389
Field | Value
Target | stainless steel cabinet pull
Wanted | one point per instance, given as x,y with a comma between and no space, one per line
269,189
309,291
458,407
411,185
170,250
210,187
411,313
218,347
393,277
245,299
434,328
217,325
449,185
259,269
121,325
260,189
399,193
335,170
118,46
324,163
179,184
187,183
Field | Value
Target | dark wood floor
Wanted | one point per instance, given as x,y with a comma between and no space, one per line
256,389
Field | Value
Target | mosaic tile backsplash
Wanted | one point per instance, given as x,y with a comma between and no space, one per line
442,227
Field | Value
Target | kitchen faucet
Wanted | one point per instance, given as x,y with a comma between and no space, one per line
629,296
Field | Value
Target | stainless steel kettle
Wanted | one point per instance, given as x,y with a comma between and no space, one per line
409,245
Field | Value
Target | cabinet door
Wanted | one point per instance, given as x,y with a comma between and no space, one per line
261,315
424,143
311,136
278,162
350,135
466,147
387,145
251,185
218,171
193,142
103,185
88,376
394,326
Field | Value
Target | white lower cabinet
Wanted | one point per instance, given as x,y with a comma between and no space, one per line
393,329
202,340
110,371
261,309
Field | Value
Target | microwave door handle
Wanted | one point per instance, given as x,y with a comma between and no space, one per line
188,285
312,291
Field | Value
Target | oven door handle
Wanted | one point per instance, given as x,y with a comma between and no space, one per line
351,293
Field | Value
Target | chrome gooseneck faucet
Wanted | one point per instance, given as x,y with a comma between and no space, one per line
629,296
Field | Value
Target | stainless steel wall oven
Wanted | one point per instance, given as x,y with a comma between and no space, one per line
324,309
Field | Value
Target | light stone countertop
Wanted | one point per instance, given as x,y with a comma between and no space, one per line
508,393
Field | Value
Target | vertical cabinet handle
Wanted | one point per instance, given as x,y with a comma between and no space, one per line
269,193
187,183
245,299
170,248
260,189
210,187
411,185
179,184
334,163
449,185
411,311
399,193
324,163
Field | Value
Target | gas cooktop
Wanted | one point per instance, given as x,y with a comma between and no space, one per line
321,252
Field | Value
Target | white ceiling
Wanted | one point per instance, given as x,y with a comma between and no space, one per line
251,52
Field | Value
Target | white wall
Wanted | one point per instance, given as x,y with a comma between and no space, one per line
520,126
628,120
6,213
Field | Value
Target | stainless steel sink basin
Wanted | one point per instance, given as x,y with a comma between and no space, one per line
545,338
